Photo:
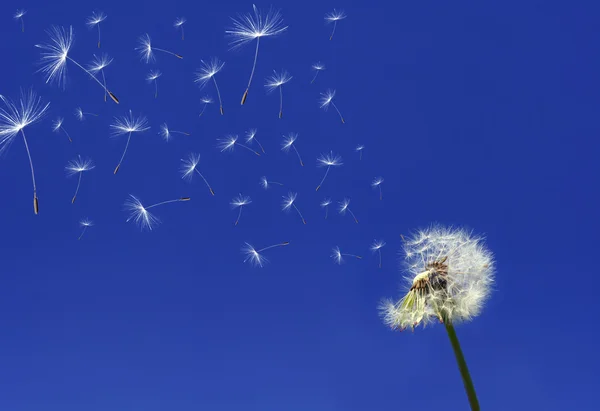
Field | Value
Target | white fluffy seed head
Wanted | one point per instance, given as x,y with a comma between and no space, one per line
449,274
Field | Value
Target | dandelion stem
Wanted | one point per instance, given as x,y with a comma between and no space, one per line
353,216
239,215
315,77
248,148
203,108
333,31
323,180
123,156
82,233
22,25
168,52
35,199
252,72
462,366
155,88
166,202
380,193
115,99
298,154
104,81
379,251
300,214
98,35
205,181
77,189
336,109
68,136
280,101
273,246
261,148
218,94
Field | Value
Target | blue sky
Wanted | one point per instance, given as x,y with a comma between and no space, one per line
480,115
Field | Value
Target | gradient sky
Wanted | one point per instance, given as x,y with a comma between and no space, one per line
479,114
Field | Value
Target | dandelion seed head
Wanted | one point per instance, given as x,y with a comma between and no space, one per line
19,14
153,75
449,275
79,165
329,160
14,118
179,21
99,63
55,53
250,134
206,100
359,148
288,141
326,99
250,26
264,183
377,245
343,205
129,124
377,181
337,255
57,124
95,18
189,165
288,200
335,15
253,256
139,214
277,80
86,222
207,70
144,48
164,132
228,142
326,202
318,66
240,200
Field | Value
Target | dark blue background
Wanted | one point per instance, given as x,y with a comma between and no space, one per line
482,114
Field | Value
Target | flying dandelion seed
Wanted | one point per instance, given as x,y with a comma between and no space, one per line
98,65
248,27
13,119
190,166
85,223
449,274
251,136
264,183
206,100
140,214
152,77
359,149
317,67
376,247
288,142
344,206
178,24
288,202
146,50
78,166
55,56
19,17
334,17
94,21
128,125
276,81
239,202
166,134
254,257
57,126
338,256
80,114
376,183
207,72
229,142
327,99
325,204
328,160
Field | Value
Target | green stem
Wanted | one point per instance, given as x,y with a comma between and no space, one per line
462,366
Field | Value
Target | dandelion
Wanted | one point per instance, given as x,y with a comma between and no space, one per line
229,143
288,142
140,214
128,125
449,274
19,17
264,183
206,100
334,17
207,72
327,99
338,256
276,81
80,114
254,257
376,183
98,65
152,77
94,21
56,54
344,206
251,136
288,202
317,67
146,50
190,166
165,133
248,27
328,160
85,223
78,166
13,119
359,149
57,126
325,204
239,202
178,24
376,247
